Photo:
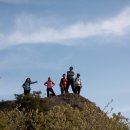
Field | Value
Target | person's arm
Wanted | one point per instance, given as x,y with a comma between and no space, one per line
67,74
23,85
33,82
62,86
73,73
80,83
60,83
45,83
53,84
74,82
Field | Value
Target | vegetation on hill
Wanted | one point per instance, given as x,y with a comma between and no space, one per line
63,112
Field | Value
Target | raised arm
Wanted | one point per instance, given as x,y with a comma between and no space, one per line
33,82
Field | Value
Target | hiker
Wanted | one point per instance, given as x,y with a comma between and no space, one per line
49,83
70,79
27,87
77,84
63,84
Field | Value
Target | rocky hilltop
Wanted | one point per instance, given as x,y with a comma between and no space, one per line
62,112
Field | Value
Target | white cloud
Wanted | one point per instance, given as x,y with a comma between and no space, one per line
30,29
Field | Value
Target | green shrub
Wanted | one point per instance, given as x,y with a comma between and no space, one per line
68,116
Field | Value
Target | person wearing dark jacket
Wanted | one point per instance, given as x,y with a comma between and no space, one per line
70,79
26,86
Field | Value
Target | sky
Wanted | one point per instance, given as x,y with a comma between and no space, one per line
44,38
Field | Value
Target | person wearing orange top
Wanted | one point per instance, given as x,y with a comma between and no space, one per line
63,83
49,83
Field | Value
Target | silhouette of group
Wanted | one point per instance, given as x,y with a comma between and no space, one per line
65,82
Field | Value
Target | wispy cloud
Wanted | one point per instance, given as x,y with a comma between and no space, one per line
30,29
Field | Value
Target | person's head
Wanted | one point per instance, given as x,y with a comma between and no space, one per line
71,68
49,78
78,75
28,80
64,75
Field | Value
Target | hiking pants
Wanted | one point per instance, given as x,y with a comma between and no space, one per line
62,90
50,90
70,82
26,92
77,89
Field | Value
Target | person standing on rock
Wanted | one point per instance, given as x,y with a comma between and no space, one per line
70,79
49,83
26,86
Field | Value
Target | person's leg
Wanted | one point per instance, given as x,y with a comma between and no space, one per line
72,85
67,86
79,90
75,89
52,92
47,92
26,92
64,90
61,90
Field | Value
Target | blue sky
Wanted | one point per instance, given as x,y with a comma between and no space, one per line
44,38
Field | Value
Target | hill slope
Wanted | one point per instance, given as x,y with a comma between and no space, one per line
63,112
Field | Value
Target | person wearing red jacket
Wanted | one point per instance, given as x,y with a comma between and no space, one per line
63,83
49,83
